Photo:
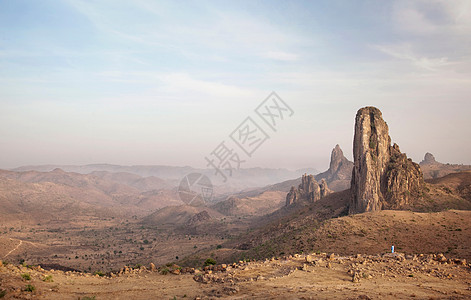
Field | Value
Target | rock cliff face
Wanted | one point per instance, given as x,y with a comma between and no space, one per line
382,177
324,188
309,190
339,174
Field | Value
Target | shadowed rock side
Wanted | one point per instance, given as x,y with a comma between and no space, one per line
339,174
309,190
382,177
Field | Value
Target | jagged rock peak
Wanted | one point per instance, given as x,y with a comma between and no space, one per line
309,190
429,159
340,170
336,157
382,176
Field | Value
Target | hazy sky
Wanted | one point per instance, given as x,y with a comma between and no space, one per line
157,82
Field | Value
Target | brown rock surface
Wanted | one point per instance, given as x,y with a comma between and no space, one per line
339,174
309,190
324,188
382,176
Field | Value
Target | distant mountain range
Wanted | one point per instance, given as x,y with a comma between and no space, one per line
240,180
434,169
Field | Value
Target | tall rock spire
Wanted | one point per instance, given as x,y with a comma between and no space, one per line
382,177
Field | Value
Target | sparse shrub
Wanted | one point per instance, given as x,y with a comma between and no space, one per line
2,293
48,278
164,271
99,273
372,142
29,288
26,276
218,246
209,261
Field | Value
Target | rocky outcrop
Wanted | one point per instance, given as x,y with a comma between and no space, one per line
293,196
308,191
199,218
382,176
429,159
324,188
339,174
433,169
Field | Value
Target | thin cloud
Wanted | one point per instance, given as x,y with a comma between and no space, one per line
404,52
282,56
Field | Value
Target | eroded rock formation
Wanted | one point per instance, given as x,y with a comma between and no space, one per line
309,190
382,177
324,188
429,159
339,174
199,218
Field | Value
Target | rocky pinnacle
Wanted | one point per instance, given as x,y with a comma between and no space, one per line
382,177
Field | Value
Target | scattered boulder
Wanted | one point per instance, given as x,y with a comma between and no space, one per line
152,267
356,277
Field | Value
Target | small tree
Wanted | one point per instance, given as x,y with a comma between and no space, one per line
209,261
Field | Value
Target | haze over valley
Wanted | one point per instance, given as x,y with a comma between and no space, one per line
235,150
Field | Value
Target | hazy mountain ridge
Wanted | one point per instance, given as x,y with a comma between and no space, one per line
434,169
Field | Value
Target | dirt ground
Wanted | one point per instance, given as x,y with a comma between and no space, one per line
315,276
